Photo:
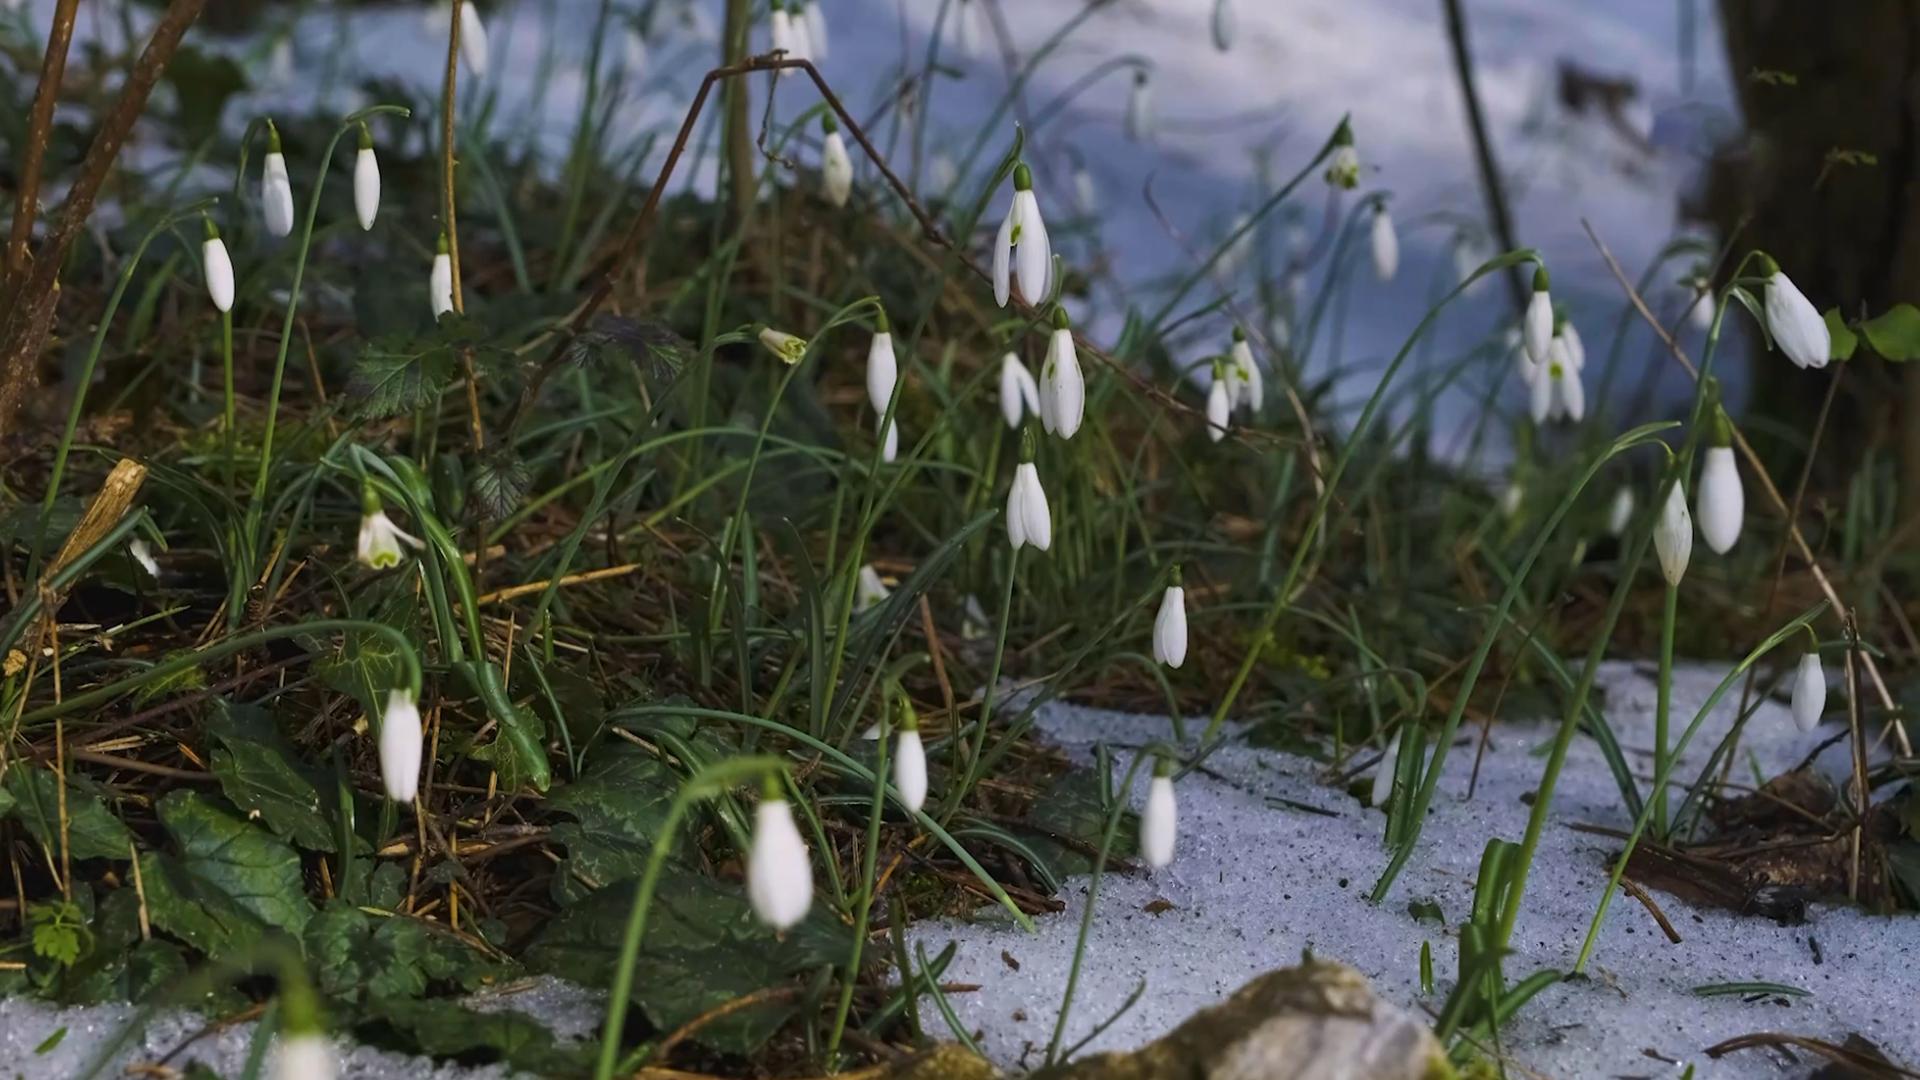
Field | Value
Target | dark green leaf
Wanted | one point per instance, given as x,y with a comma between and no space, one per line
619,807
398,375
652,348
262,774
92,830
499,484
1845,341
703,949
1895,333
356,956
1068,821
518,753
367,667
445,1028
244,862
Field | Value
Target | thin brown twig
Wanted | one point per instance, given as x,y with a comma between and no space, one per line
26,205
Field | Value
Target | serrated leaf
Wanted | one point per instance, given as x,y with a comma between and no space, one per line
1844,340
703,948
652,348
398,375
195,910
357,956
245,862
367,666
1895,333
92,830
499,484
260,772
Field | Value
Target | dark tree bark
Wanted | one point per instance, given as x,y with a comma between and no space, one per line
1848,234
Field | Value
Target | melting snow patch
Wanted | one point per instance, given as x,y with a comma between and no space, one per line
1255,881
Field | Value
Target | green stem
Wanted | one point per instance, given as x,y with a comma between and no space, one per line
867,874
1662,706
986,694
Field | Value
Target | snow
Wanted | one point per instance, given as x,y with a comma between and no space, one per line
1254,882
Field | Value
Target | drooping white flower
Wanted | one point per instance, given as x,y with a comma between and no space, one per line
217,267
473,39
1224,25
1557,393
276,190
1024,233
1620,511
1536,327
440,280
1512,496
1170,626
801,30
788,347
1540,393
910,761
1382,788
280,61
817,38
1576,348
942,172
1468,255
836,167
1029,521
1086,193
1243,372
1386,244
635,48
1809,692
1343,169
1700,311
868,591
1796,326
787,38
380,539
142,553
1159,821
1063,388
1139,122
1673,535
1234,257
305,1056
400,746
1219,404
366,181
1019,394
969,36
1722,502
883,369
779,871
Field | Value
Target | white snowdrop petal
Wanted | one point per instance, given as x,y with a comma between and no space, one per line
1620,511
1721,502
1034,252
836,169
400,746
1386,245
306,1056
1170,628
910,769
219,272
1066,385
366,187
779,871
1536,329
883,370
440,284
1795,325
1158,823
1219,409
868,590
1673,536
276,195
1003,255
1382,787
1019,394
1809,692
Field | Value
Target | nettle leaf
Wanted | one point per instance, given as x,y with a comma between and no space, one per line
398,375
1895,333
1844,340
358,956
703,948
194,909
258,872
499,483
652,348
92,830
261,773
620,806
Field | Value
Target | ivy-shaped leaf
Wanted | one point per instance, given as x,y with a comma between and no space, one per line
92,830
262,774
248,864
619,805
1895,333
1844,340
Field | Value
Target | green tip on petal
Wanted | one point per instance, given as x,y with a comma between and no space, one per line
880,324
1060,317
366,137
299,1008
1177,578
1239,335
905,718
1022,177
1028,444
212,230
440,246
1540,277
369,500
273,137
1343,135
1768,267
770,787
1162,768
828,123
1722,433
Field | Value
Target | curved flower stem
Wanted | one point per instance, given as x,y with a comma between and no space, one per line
227,646
85,379
867,877
1662,707
707,783
226,403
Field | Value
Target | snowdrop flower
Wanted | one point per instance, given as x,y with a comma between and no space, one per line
636,49
868,590
1029,521
779,872
217,267
400,741
1722,503
1576,349
910,759
305,1056
1796,327
1023,230
366,181
1170,625
1700,312
1019,394
787,347
890,442
440,280
815,15
1536,327
785,38
1085,192
1139,122
1219,403
1223,25
142,553
798,25
1557,391
968,33
1243,373
1343,171
473,39
1809,692
1383,775
1468,255
836,168
883,370
1063,389
942,172
1159,821
1673,535
280,61
276,191
380,539
1386,244
1620,512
